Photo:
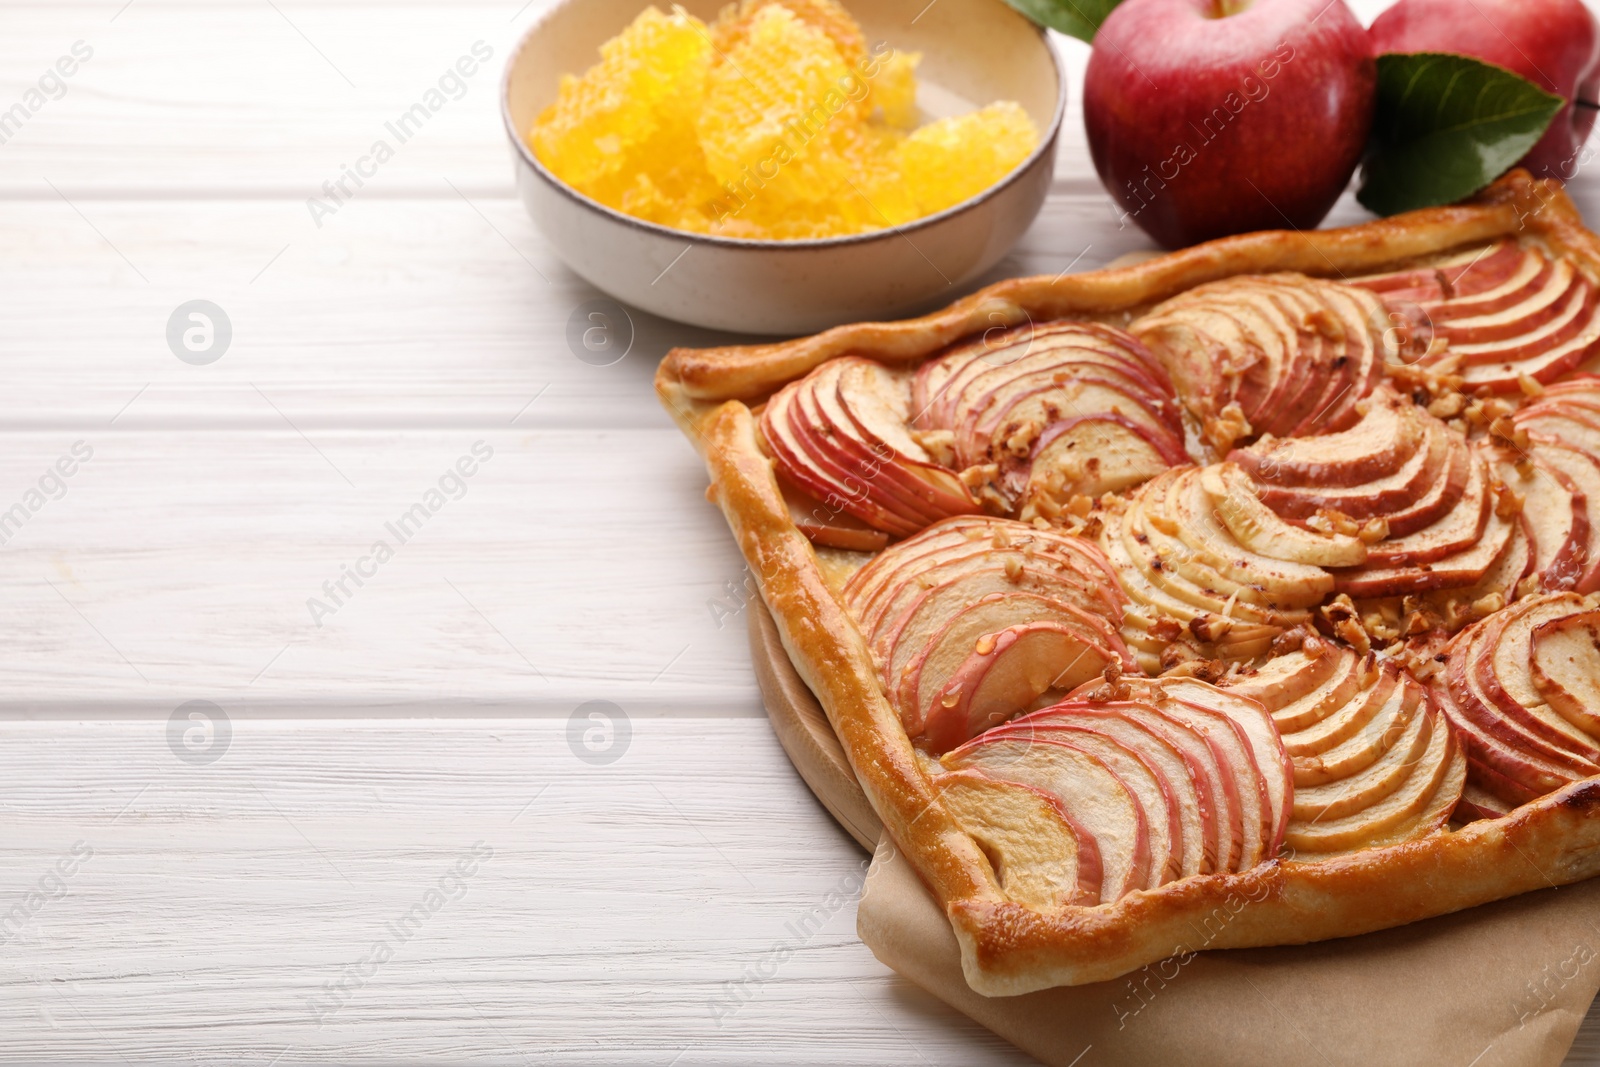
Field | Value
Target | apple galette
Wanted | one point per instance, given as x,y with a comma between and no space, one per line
1252,581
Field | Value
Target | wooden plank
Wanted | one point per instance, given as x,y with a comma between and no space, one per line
218,903
576,565
426,313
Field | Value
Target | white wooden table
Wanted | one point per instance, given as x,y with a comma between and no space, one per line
385,839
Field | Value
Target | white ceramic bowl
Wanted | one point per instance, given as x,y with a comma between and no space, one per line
974,52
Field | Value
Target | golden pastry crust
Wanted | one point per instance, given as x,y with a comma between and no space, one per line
1008,948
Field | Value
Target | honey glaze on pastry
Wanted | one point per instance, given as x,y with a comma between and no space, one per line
1207,570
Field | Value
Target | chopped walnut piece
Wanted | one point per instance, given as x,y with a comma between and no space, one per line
1529,386
1488,604
1507,501
1380,627
1020,441
939,444
1332,520
1229,426
1528,586
1421,621
1203,670
1166,630
1447,406
1210,628
1345,622
1013,569
1373,530
1289,641
1503,429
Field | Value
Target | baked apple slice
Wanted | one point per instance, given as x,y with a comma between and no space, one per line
1563,656
1372,756
1049,411
1582,472
1282,354
1518,742
1041,858
1135,759
1222,713
840,434
1507,315
1090,793
1192,782
1260,529
1169,777
1555,511
978,619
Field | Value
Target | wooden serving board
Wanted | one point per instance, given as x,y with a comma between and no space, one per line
805,733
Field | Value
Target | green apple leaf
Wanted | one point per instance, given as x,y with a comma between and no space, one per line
1076,18
1446,126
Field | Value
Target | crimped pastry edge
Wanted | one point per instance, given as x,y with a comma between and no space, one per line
1009,949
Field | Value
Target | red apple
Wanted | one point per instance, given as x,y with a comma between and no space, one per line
1553,43
1213,117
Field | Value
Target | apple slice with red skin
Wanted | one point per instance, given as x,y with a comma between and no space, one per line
1504,677
838,468
1295,353
1414,808
1041,858
1501,280
1543,366
1005,674
1092,455
1502,743
1564,664
948,387
1370,765
940,657
940,385
1465,568
1245,731
1352,675
1555,514
1183,759
1558,293
1380,700
1583,472
1090,792
823,421
1550,317
1481,270
1360,368
1148,781
1385,437
830,527
798,460
1413,496
1223,793
913,619
1259,529
1068,567
1459,529
868,407
907,615
1285,679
